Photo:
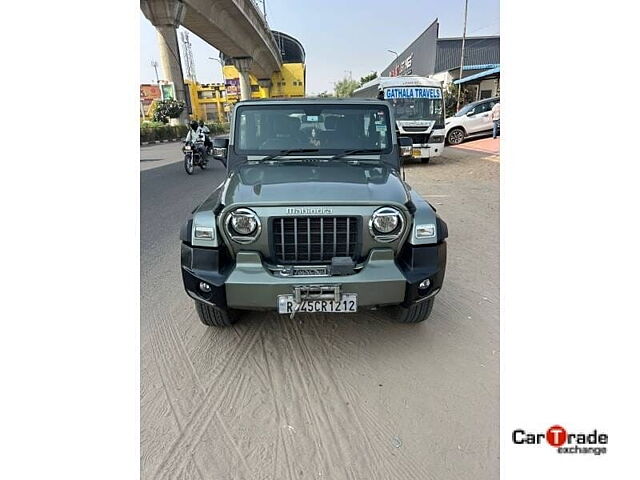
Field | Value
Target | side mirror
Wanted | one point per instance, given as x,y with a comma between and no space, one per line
220,146
406,144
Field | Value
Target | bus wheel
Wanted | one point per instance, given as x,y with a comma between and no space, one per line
425,160
455,136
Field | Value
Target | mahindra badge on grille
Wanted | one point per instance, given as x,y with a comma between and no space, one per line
309,211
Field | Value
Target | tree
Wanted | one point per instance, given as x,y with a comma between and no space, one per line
368,78
345,87
451,98
166,109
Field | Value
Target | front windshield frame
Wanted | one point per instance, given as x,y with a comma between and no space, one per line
382,127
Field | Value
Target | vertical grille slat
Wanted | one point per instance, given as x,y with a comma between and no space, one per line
335,241
295,238
321,238
312,240
309,238
284,255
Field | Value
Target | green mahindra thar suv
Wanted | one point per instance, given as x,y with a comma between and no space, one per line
314,216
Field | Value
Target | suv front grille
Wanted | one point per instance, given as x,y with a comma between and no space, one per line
314,239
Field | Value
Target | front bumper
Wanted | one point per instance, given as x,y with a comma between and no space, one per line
430,151
245,283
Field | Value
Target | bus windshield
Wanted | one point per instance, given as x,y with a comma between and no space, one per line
418,109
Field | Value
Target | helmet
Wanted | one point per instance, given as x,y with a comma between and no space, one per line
194,125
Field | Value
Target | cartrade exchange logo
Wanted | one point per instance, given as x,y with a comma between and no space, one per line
557,437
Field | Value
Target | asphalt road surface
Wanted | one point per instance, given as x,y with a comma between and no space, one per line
325,396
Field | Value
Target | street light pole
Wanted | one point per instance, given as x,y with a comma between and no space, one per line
464,34
154,64
397,59
221,66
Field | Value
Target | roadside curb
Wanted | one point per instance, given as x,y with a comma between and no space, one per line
160,141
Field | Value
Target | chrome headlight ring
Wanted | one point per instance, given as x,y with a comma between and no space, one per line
238,237
390,236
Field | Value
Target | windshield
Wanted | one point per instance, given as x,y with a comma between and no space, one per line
417,109
464,110
320,129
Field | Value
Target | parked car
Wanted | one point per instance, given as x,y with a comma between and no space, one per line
472,119
314,220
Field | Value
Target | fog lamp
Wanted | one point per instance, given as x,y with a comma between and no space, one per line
205,287
423,285
426,231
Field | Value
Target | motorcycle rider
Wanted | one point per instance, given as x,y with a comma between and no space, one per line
195,136
207,140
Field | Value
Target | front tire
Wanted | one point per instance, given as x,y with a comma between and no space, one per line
215,317
455,136
425,160
416,313
188,163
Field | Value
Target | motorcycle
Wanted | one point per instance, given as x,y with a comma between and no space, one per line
194,155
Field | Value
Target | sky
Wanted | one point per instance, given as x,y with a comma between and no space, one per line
341,37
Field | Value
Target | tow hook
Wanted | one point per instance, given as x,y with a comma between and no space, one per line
301,293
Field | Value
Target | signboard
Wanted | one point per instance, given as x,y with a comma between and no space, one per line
168,93
412,93
148,93
403,68
233,86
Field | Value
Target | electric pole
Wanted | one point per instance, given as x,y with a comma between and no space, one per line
464,34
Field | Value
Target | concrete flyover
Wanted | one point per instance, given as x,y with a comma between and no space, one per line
235,27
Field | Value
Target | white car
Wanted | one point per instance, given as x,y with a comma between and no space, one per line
472,119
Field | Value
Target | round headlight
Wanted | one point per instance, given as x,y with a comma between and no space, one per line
386,224
243,225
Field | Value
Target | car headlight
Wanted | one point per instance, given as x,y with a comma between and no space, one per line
436,139
386,224
243,225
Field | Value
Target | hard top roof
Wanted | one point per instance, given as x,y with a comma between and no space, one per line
311,101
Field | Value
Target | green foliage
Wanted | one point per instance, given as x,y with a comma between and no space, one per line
152,131
368,78
345,87
451,98
166,109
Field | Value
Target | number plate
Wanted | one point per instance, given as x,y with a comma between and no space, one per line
348,304
417,152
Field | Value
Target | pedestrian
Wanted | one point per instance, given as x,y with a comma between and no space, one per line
495,116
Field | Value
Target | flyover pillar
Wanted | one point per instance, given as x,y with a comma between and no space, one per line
266,84
243,64
166,16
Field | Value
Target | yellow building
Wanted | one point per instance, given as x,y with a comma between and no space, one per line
288,82
208,101
212,102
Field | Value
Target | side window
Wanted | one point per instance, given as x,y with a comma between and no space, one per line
483,107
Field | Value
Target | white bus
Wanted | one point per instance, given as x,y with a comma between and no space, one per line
418,107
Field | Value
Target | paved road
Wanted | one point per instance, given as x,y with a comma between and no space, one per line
327,397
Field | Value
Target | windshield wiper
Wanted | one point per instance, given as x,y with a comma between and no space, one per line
353,152
284,153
